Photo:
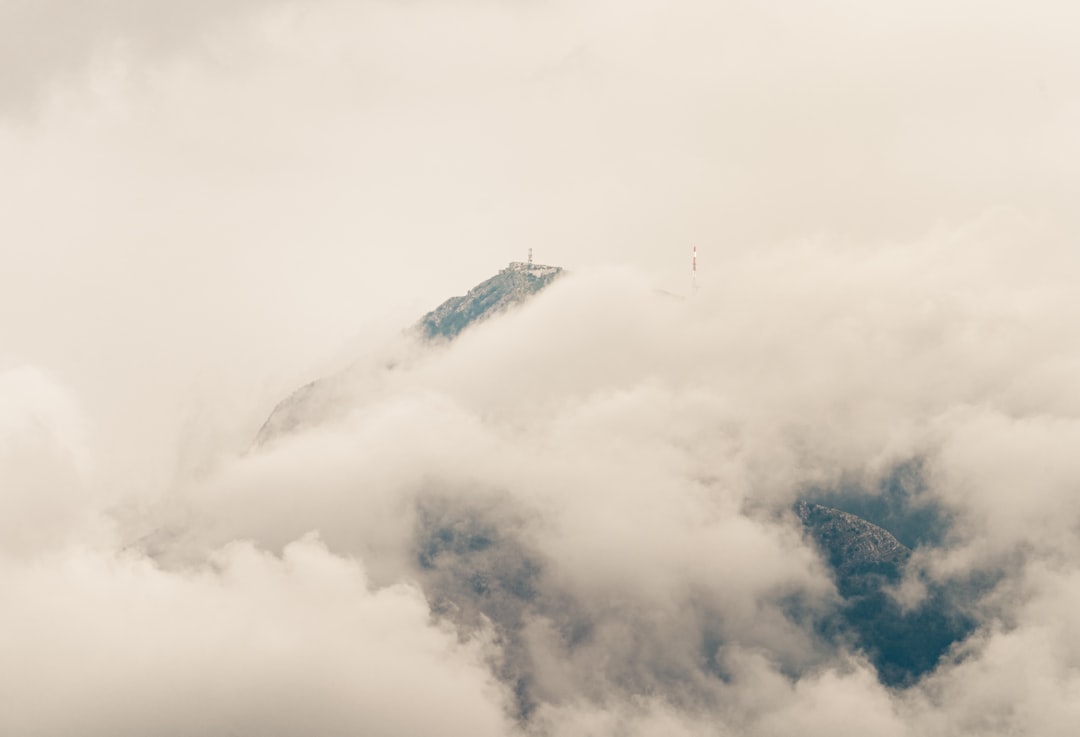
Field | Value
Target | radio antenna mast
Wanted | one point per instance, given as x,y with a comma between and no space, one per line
693,271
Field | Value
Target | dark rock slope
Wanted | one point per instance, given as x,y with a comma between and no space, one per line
511,286
863,556
866,560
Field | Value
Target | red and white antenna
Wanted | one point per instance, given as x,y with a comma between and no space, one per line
693,271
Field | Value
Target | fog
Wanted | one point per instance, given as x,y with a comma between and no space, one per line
205,207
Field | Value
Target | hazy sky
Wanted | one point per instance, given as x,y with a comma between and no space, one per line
205,204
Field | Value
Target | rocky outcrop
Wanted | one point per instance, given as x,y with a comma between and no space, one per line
866,561
511,286
862,555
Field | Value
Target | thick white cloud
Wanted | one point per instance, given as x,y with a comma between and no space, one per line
206,204
49,44
45,466
109,644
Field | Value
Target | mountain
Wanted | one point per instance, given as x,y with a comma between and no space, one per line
511,286
332,396
477,568
866,561
863,556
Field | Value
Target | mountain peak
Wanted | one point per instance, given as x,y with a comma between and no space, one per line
331,396
511,286
854,547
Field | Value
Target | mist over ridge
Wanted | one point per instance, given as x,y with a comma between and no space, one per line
832,490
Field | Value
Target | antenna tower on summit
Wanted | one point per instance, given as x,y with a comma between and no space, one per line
530,257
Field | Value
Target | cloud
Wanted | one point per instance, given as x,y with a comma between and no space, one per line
640,478
278,646
575,514
53,43
45,465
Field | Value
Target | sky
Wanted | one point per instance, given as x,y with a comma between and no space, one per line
206,205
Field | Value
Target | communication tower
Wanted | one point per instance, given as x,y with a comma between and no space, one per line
693,271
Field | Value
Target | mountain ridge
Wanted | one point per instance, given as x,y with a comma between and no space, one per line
867,562
328,397
477,571
512,286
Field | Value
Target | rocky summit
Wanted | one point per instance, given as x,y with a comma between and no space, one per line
511,286
862,555
867,561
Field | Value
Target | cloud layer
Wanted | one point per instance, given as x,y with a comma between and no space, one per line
574,519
